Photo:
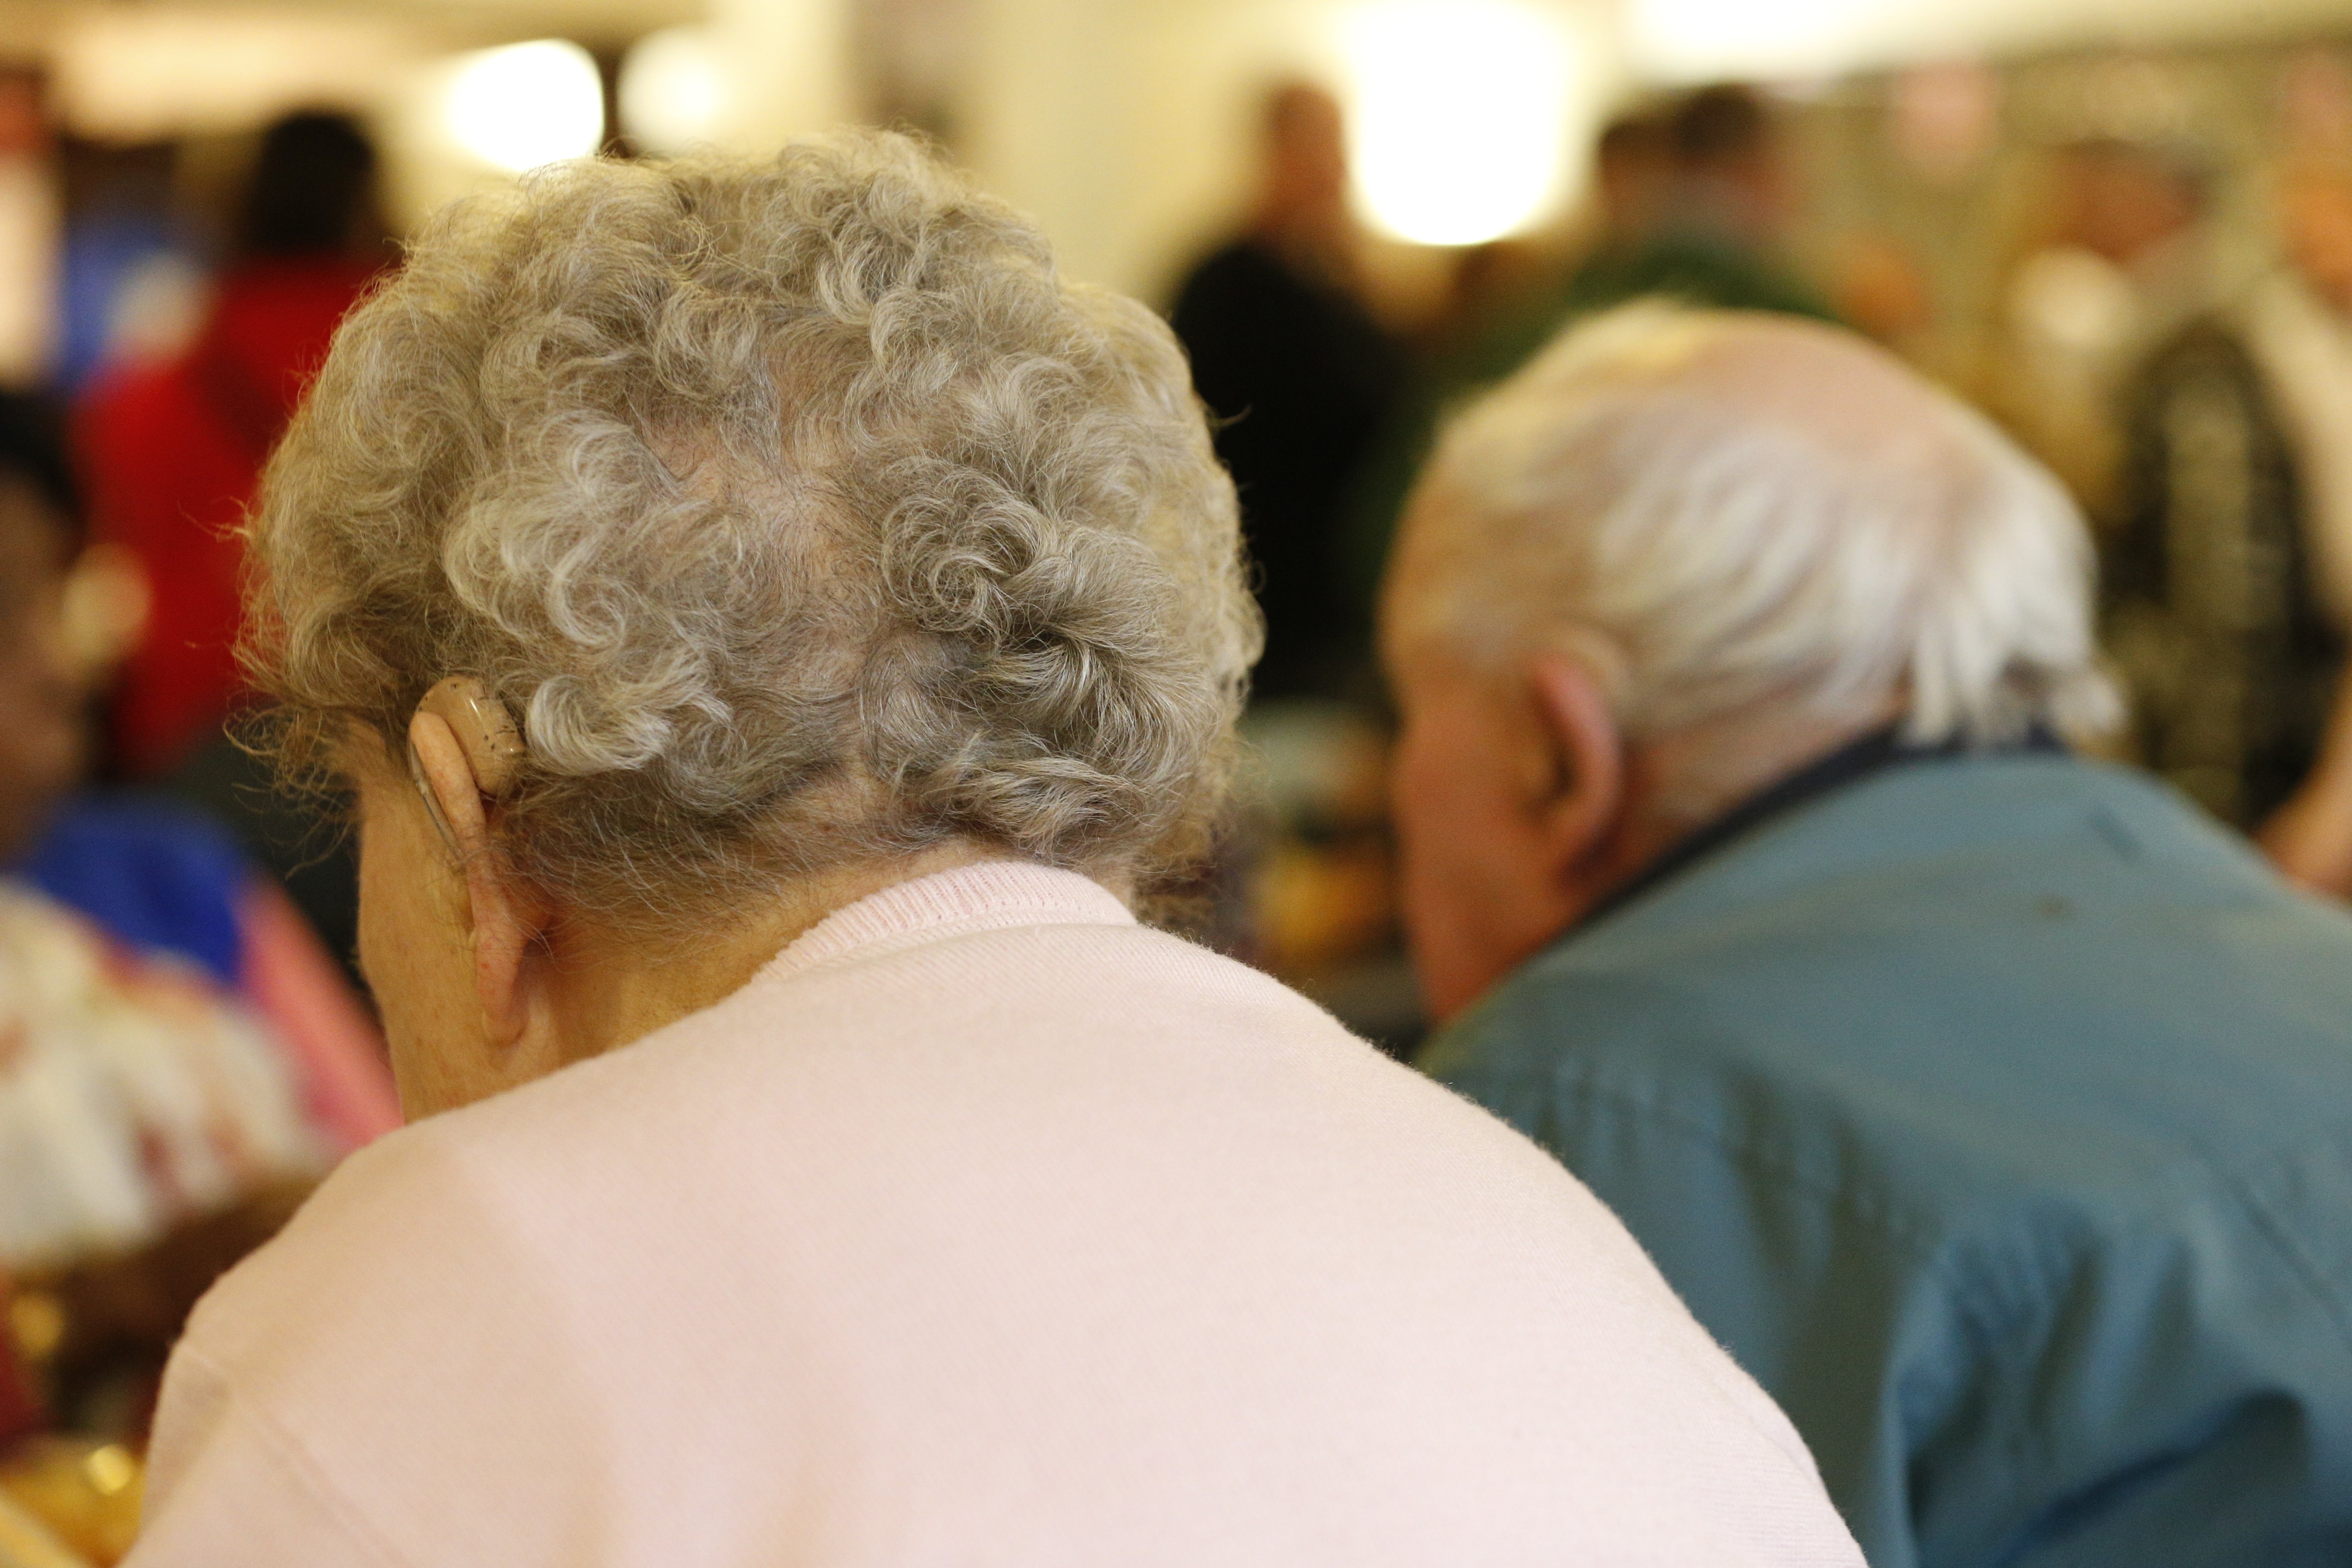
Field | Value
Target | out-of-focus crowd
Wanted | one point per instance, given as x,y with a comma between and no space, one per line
183,1051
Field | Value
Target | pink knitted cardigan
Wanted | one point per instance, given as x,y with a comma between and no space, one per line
983,1226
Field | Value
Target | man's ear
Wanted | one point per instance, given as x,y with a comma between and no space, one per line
503,925
1587,795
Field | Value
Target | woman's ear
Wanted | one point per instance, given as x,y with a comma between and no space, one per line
1587,797
502,925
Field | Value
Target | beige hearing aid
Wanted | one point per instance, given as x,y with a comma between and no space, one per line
485,731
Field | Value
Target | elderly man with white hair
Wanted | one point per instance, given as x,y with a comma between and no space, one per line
1989,1105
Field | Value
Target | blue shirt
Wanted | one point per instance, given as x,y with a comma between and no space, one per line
1996,1113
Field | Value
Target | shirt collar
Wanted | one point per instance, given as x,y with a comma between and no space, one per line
1869,754
991,896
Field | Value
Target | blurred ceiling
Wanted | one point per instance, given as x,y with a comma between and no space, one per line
1123,125
31,26
1654,39
1693,39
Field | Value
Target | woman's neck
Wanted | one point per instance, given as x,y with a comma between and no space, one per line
608,989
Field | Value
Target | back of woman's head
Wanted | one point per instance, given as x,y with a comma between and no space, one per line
799,512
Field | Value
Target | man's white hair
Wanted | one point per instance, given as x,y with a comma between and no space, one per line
1720,512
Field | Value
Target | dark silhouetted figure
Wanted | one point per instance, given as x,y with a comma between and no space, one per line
1285,351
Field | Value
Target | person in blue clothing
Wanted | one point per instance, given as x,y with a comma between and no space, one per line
1991,1104
153,874
179,1059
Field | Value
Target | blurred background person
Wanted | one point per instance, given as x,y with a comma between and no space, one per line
173,451
1633,180
1302,377
179,1060
1711,236
2125,268
2229,584
134,284
1694,198
153,874
1983,1100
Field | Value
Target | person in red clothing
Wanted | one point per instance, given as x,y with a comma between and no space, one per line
173,451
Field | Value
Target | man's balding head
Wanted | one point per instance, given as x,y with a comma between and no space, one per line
1682,555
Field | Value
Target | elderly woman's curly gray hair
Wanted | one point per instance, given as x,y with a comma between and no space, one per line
798,510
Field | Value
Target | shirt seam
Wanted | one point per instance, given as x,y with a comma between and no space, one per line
1988,1326
1035,894
2279,1240
1988,1322
898,944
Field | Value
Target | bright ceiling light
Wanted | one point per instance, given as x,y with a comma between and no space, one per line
526,104
673,90
1459,115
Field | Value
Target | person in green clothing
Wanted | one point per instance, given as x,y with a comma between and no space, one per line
1991,1105
1693,200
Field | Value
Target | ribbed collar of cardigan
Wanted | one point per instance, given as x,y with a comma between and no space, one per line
1865,757
991,896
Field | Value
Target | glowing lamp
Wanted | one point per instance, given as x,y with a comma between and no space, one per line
1458,115
526,104
673,92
